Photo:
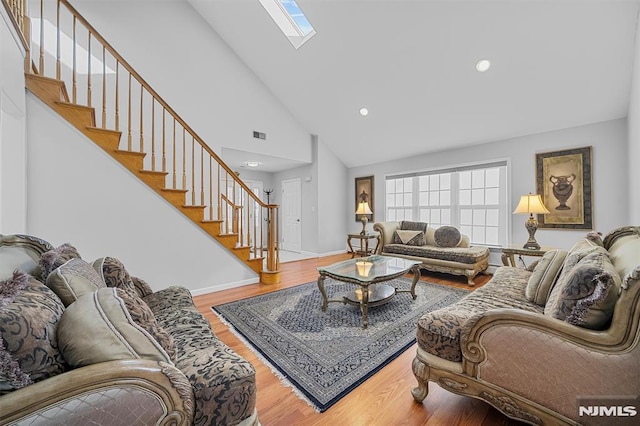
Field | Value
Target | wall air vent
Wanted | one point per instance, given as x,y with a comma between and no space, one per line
259,135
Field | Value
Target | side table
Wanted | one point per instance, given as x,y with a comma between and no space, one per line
364,243
508,253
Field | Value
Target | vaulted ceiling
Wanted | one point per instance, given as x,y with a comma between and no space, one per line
554,64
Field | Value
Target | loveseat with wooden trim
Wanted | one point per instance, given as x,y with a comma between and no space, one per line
538,343
97,346
457,259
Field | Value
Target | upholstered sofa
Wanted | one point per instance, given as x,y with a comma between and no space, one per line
439,250
86,343
541,342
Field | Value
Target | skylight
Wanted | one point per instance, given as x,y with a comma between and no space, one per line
289,17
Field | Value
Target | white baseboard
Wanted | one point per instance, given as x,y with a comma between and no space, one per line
225,286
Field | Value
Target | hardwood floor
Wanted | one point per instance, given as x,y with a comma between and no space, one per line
384,399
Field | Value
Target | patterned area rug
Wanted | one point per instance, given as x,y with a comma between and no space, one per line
325,355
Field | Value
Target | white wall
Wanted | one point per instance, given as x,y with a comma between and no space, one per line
634,136
201,78
78,194
13,157
332,197
610,174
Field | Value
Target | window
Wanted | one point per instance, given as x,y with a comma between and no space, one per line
290,19
471,198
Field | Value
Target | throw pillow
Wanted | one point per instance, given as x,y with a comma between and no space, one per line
544,276
407,225
447,236
56,257
29,315
144,317
114,274
587,295
73,279
98,327
410,238
141,286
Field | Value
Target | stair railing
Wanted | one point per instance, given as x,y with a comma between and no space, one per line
71,50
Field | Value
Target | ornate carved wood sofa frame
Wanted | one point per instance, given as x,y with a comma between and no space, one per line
202,382
529,365
459,260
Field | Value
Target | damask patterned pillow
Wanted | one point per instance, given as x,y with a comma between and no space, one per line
544,276
447,236
141,286
407,225
56,257
29,316
73,279
410,238
144,317
587,295
98,327
114,274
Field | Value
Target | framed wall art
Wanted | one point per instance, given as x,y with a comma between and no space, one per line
364,192
564,183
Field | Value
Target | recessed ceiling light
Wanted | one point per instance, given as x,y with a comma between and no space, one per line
482,65
364,112
252,163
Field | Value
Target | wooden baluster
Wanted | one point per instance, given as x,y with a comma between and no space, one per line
27,36
226,207
201,175
89,70
104,88
219,194
74,70
129,144
193,173
184,159
153,135
58,40
117,96
164,152
173,155
141,120
41,62
210,188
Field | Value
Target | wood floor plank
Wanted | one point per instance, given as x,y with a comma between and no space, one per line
384,399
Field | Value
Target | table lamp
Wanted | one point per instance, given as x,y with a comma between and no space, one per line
531,204
364,210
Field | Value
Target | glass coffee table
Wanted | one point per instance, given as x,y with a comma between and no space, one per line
369,274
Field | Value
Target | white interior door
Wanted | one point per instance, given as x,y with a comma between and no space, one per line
291,215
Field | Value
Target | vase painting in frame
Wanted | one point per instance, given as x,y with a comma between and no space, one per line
564,183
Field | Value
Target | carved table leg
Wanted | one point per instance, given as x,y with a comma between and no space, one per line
364,305
416,277
421,371
323,292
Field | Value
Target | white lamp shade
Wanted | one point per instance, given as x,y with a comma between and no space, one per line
531,203
363,208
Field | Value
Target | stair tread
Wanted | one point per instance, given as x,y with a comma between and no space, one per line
211,220
72,105
153,172
127,152
190,206
100,129
184,191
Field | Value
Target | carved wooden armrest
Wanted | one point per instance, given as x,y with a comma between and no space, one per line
125,391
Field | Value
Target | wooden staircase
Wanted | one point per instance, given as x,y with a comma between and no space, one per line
53,93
